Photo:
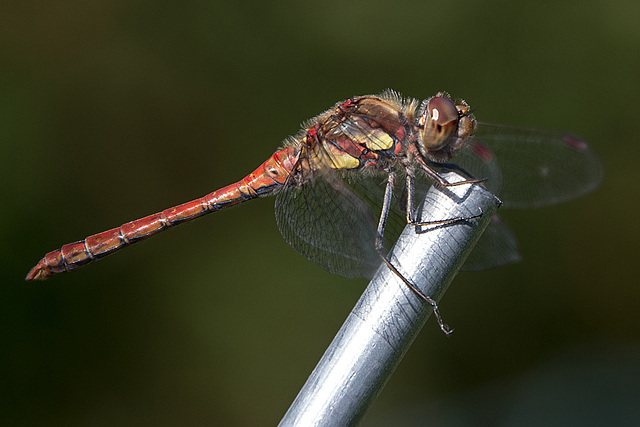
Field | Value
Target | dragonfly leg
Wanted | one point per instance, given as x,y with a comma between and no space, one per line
410,211
380,249
470,180
454,167
435,176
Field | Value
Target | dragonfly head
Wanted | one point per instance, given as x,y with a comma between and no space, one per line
443,126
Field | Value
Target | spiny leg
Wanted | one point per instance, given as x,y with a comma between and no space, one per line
440,180
410,211
454,167
470,180
380,249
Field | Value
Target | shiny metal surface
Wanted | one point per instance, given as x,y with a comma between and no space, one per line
388,316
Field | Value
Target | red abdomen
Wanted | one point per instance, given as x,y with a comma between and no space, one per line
271,175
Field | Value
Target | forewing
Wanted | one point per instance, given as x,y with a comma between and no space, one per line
537,167
478,161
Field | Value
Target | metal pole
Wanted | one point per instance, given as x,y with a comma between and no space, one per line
387,318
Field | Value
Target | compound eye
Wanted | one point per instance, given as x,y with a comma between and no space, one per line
440,123
443,111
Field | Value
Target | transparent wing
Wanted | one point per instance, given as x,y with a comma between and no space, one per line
477,160
532,167
332,219
525,168
495,248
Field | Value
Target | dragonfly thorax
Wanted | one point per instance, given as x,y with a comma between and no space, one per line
443,127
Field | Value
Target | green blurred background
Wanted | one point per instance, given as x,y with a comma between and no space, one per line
112,110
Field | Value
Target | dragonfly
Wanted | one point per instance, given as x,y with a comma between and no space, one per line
345,184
